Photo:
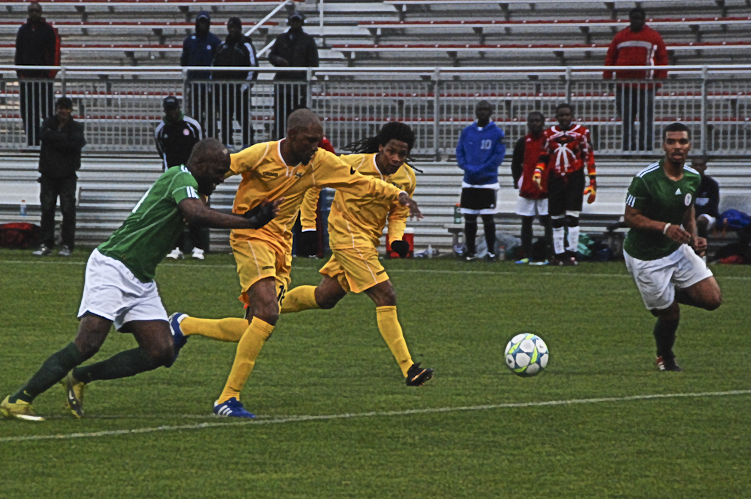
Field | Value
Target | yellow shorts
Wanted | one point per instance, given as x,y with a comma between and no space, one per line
356,269
258,259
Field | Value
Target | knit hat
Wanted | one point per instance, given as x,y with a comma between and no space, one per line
171,102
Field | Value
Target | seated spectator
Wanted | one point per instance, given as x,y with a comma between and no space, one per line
707,199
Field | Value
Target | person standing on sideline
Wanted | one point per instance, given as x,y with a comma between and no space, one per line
275,170
661,248
566,150
199,50
637,45
36,45
294,49
119,285
232,89
175,137
59,160
533,199
707,205
479,153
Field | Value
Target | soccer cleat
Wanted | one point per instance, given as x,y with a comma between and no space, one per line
470,257
73,394
490,257
197,254
665,364
175,254
523,261
18,410
417,375
43,250
178,337
231,409
544,262
65,251
558,260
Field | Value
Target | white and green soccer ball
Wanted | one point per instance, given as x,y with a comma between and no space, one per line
526,354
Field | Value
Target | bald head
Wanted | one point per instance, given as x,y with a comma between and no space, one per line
208,150
209,162
302,118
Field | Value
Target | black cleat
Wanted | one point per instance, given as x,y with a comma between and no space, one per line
417,375
665,364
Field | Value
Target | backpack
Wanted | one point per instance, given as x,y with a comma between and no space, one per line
735,219
19,235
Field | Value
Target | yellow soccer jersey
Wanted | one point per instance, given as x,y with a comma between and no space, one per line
267,176
356,220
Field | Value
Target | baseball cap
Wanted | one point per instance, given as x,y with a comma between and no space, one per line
296,14
203,15
234,21
171,102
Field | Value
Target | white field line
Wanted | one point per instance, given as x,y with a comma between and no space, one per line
330,417
391,271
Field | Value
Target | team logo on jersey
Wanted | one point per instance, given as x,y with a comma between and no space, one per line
299,175
269,174
352,170
687,199
678,192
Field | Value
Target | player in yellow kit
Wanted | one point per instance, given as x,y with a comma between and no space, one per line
355,227
272,170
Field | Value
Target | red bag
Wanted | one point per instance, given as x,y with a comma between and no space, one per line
20,235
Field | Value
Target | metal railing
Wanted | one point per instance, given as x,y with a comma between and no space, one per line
121,106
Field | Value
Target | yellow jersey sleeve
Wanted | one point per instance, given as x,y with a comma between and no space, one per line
333,172
248,159
308,209
398,214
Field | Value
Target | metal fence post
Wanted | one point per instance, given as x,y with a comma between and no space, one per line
436,113
568,85
308,89
704,103
64,83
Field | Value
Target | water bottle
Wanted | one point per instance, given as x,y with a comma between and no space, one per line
501,252
457,214
23,207
430,251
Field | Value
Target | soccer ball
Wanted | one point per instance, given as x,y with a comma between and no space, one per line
526,354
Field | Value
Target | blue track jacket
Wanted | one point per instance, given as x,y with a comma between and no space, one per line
480,152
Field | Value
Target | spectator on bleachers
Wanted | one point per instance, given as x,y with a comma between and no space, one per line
637,45
199,50
479,153
36,45
294,48
533,199
707,201
59,160
232,89
175,137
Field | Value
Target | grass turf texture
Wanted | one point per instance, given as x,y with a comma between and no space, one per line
457,318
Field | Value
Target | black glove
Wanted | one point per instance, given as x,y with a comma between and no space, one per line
401,248
260,215
307,244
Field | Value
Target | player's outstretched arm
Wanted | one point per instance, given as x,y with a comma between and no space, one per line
407,201
195,211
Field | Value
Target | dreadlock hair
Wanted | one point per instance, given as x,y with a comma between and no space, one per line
390,131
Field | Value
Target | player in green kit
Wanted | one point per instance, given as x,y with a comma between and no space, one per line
661,248
119,285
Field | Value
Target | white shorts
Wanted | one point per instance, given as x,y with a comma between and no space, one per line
530,207
657,279
112,291
711,221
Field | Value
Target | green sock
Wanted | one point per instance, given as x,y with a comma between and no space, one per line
121,365
53,370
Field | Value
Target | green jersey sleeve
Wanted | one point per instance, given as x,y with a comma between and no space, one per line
638,194
183,186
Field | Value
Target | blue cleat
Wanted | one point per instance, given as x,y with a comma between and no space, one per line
178,337
231,409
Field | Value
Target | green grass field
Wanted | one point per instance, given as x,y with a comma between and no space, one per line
336,420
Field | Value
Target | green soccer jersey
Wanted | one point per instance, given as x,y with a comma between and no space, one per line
152,228
659,198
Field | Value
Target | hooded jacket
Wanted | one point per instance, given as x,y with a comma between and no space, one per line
480,152
200,50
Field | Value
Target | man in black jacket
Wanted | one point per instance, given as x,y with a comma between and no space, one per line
232,88
36,45
175,137
295,49
60,158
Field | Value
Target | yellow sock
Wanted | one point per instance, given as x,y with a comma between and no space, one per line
299,299
391,331
229,329
248,349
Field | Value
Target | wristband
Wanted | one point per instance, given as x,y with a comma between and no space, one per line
665,229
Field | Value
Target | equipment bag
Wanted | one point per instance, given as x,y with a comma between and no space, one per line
20,235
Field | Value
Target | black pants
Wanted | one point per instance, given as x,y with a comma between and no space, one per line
202,106
232,100
631,102
37,96
197,235
65,188
287,98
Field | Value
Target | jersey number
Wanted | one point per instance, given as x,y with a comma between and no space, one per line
486,144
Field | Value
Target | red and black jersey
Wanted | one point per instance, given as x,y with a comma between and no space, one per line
566,151
526,154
